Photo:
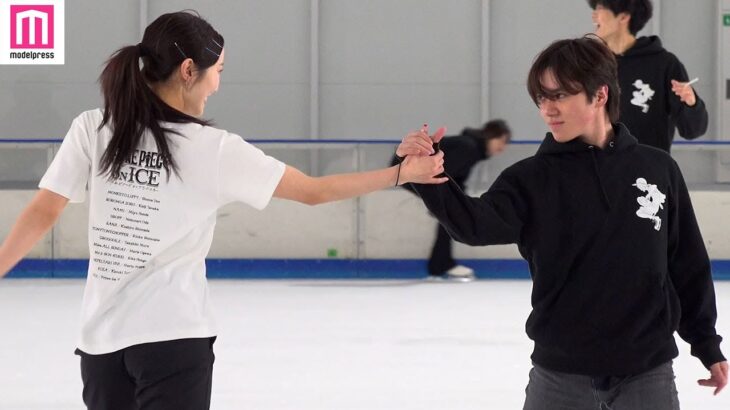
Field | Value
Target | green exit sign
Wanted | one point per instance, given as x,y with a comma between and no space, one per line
726,19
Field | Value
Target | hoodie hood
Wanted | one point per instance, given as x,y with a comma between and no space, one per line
622,139
645,46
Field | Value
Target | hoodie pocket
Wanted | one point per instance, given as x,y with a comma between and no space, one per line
665,306
672,307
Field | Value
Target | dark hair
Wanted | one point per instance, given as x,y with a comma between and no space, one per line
581,64
639,10
496,129
131,106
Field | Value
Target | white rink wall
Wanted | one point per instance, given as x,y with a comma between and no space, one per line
391,224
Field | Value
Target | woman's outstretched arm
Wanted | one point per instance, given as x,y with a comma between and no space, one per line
33,223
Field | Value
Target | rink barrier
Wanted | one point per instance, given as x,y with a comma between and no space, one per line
324,268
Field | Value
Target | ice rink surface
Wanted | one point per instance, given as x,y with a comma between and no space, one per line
306,345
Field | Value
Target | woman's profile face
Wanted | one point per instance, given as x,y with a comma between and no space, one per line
203,87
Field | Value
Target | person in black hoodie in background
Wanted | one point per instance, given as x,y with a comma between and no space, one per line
464,151
607,227
655,96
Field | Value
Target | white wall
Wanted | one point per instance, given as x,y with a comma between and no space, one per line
384,66
394,225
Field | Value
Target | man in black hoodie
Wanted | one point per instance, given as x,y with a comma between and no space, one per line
464,151
607,227
655,95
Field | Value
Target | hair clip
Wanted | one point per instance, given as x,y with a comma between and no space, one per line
180,50
213,52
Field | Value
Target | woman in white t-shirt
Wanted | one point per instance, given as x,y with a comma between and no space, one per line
156,174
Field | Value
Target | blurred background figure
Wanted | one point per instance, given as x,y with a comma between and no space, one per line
656,94
462,153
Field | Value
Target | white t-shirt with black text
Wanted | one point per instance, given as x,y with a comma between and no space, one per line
149,232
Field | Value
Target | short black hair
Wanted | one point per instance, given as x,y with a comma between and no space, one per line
639,10
581,64
496,129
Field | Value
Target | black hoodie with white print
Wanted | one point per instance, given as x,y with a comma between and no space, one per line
649,107
615,253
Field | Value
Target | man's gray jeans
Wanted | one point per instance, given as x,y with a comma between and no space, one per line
652,390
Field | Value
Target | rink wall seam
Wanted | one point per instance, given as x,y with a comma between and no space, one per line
313,268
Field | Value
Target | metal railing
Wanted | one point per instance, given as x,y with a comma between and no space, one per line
23,161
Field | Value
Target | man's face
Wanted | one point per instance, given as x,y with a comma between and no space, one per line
567,115
607,24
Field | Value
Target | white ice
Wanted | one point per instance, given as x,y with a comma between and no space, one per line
309,345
